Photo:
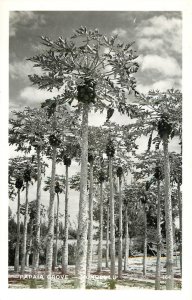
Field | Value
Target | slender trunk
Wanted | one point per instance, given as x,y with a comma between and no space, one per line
158,263
37,216
112,221
65,241
90,226
50,234
145,241
27,259
100,246
180,224
107,238
29,243
168,217
23,258
57,233
16,263
81,253
126,240
120,232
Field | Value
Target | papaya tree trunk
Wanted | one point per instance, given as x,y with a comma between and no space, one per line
180,224
57,233
29,243
65,241
158,263
107,238
100,246
50,234
126,240
120,248
16,262
112,221
168,217
23,257
81,253
37,216
90,226
145,241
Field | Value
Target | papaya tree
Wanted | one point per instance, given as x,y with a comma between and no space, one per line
88,67
162,113
19,169
91,157
59,188
27,132
30,172
176,177
69,149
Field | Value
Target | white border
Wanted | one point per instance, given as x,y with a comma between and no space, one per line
137,5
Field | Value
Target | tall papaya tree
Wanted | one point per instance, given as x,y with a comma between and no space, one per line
107,237
69,149
158,174
148,168
110,151
59,188
91,157
100,246
176,177
27,132
77,67
67,163
20,172
30,172
162,113
120,250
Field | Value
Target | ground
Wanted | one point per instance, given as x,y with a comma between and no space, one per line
133,279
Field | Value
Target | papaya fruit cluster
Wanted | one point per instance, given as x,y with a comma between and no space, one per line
19,183
101,176
110,149
67,160
164,127
54,140
119,171
86,92
158,173
27,175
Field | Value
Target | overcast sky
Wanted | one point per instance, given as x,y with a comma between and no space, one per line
157,37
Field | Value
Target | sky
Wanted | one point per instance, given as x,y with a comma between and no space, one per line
157,37
158,42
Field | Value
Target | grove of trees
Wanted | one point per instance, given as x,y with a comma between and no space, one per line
124,192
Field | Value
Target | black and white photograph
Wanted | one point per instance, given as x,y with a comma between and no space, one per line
95,150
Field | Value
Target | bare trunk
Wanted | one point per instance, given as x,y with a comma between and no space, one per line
145,241
37,216
126,240
168,217
112,221
50,234
23,257
120,233
100,246
90,226
158,263
29,243
81,253
65,241
16,262
180,224
27,260
107,239
56,238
